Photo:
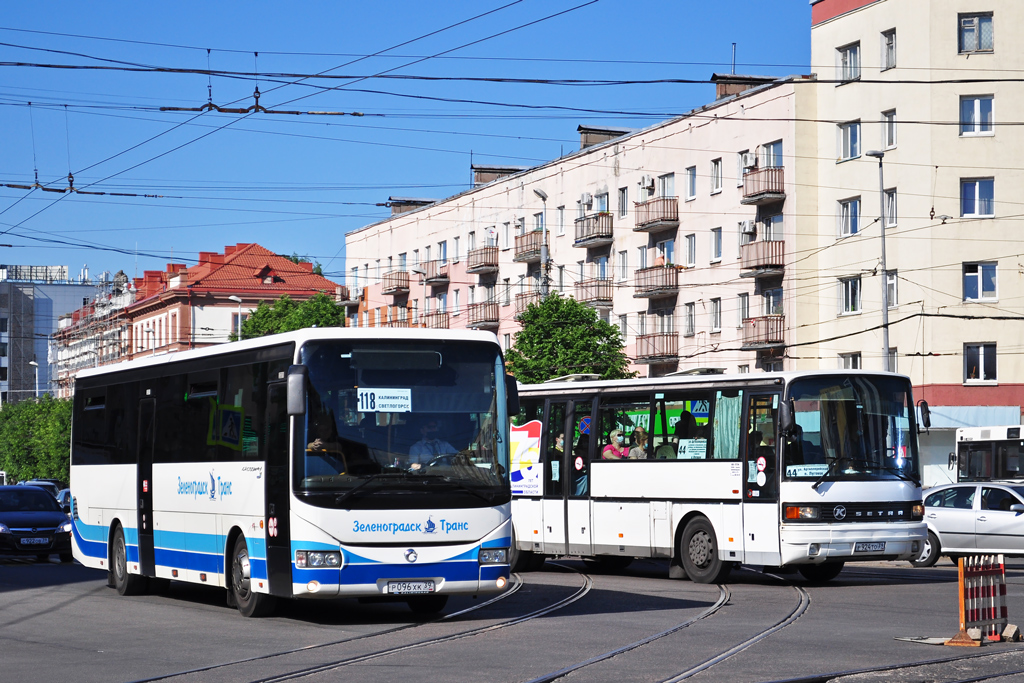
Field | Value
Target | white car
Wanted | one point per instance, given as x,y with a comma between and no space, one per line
971,518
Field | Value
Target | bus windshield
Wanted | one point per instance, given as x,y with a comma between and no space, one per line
386,421
852,427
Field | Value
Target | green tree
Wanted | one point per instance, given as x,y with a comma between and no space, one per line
295,258
285,315
562,336
35,439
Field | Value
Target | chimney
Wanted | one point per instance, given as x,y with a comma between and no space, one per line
593,135
483,174
733,84
206,257
400,205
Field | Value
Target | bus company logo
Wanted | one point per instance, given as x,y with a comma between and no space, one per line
214,489
430,527
839,511
411,556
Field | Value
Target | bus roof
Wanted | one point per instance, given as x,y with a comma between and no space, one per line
298,337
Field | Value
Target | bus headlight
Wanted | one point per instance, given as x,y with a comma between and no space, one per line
917,512
802,512
316,558
494,556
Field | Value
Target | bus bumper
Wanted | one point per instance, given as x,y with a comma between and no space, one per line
817,543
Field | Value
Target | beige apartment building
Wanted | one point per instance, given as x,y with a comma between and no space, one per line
952,187
680,234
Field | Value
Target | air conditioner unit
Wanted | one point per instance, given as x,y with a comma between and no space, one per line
749,160
748,227
586,199
646,181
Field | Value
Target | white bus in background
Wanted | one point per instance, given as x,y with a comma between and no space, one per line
988,454
319,463
803,469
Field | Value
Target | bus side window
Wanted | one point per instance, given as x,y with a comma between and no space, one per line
728,424
631,416
682,426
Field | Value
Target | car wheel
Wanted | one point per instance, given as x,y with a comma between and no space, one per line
427,604
536,563
929,553
125,583
699,552
250,604
820,573
66,558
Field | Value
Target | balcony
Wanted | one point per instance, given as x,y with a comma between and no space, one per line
763,185
348,297
764,332
656,282
482,260
596,292
594,230
435,321
660,213
482,316
396,323
764,257
395,282
436,272
523,301
528,247
660,347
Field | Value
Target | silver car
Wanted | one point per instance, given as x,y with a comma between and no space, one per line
970,518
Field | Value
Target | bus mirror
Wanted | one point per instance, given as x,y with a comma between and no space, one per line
512,395
786,421
926,413
952,461
297,389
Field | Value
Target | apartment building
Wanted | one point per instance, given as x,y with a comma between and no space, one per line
951,191
680,234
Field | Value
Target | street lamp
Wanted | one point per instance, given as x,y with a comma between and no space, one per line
885,274
238,300
422,271
544,242
36,366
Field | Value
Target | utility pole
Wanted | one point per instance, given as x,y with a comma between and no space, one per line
544,265
885,273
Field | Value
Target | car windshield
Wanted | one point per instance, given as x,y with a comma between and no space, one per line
27,499
852,427
401,417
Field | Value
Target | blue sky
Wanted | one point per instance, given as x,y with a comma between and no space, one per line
297,184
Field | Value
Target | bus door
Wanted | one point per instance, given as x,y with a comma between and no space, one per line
558,436
577,515
277,488
761,479
144,485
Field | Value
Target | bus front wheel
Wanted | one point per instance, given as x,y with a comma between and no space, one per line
250,604
125,583
820,573
698,549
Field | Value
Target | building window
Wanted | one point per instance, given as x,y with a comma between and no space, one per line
602,202
691,183
506,230
742,308
561,279
976,115
508,341
772,365
508,292
690,320
977,197
716,315
666,252
623,201
455,249
889,129
888,49
849,361
772,301
848,62
3,349
641,324
743,369
849,140
442,301
3,378
716,176
890,208
979,362
623,265
975,33
355,279
691,251
891,288
561,220
470,241
415,312
771,154
234,323
743,162
455,302
849,295
849,216
623,326
979,281
716,245
538,221
667,184
641,258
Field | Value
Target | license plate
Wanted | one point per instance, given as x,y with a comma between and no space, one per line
35,541
410,587
874,547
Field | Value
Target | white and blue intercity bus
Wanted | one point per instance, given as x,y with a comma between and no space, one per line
327,462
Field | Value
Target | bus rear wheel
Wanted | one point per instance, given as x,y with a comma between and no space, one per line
250,604
125,583
820,573
698,549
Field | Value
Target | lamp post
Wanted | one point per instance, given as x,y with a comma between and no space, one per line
885,273
544,242
36,366
423,272
238,300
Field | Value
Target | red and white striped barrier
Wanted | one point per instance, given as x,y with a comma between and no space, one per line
982,580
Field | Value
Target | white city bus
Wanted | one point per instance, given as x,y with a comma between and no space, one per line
810,469
318,463
988,454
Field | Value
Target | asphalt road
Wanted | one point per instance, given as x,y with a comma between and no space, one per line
635,625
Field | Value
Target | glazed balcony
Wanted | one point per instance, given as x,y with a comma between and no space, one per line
763,332
524,300
435,321
528,247
660,347
764,257
594,230
595,292
436,272
395,282
483,315
660,213
763,185
656,281
482,260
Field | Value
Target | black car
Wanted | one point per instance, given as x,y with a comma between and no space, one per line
32,523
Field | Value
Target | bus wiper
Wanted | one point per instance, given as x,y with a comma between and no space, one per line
373,477
828,471
457,484
899,474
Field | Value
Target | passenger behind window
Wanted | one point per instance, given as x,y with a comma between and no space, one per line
616,448
639,449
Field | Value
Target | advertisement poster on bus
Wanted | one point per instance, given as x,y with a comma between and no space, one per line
526,466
